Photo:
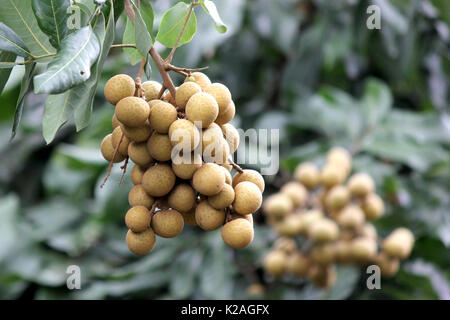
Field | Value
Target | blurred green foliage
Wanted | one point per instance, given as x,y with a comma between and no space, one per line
311,69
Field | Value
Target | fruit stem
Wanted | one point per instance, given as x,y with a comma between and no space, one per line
124,168
235,166
112,161
161,65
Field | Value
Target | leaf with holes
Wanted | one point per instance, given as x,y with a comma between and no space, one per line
11,42
211,10
71,65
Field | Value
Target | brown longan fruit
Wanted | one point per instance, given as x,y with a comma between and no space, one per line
275,263
118,87
142,242
186,169
237,233
247,199
231,136
211,137
158,180
137,134
182,198
324,230
138,153
228,178
399,243
167,223
207,217
298,264
217,153
199,78
307,174
331,175
323,254
278,205
132,111
227,114
138,218
351,217
251,176
117,138
309,219
343,251
209,179
184,135
322,276
373,206
388,266
340,157
223,199
151,89
159,146
297,192
290,226
369,231
163,114
363,249
107,150
360,185
227,166
185,92
287,245
201,109
138,197
136,174
337,197
220,93
189,217
115,122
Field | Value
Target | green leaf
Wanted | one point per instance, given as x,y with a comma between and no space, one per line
9,207
147,15
71,65
142,35
11,42
26,81
376,102
57,111
211,9
6,58
148,67
129,37
52,19
19,16
171,24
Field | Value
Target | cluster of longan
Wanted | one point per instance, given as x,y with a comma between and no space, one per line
181,148
333,216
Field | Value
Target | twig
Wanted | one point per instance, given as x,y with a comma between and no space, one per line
184,71
161,92
161,65
124,45
112,161
129,10
235,166
124,168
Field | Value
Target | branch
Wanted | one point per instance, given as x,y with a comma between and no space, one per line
112,161
162,67
235,166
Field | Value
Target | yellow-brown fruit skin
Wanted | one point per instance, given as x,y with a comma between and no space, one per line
211,137
337,197
399,243
231,136
389,266
186,170
207,217
162,115
323,254
151,90
226,115
182,198
138,153
247,199
209,179
298,264
297,192
137,134
373,206
351,217
307,174
138,197
221,94
223,199
324,230
363,250
278,205
201,79
361,184
167,223
159,147
115,122
184,135
202,109
340,157
158,180
237,233
185,92
132,111
142,242
136,174
107,150
322,276
331,175
138,218
189,217
251,176
118,87
275,263
117,138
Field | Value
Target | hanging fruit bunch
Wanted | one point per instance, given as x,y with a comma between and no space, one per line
181,146
330,214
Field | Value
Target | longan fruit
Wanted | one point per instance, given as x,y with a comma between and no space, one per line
138,218
186,169
255,290
278,205
211,137
223,199
137,134
142,242
167,223
307,174
360,184
297,192
218,152
228,178
132,111
369,231
388,266
207,217
115,122
209,179
158,180
231,136
324,230
117,138
298,264
337,197
227,166
340,157
151,89
182,198
201,109
159,146
309,219
138,153
118,87
287,245
290,226
220,93
163,114
136,174
189,217
201,79
107,150
322,276
184,135
344,251
351,217
363,249
399,243
373,206
323,254
247,199
227,114
237,233
185,92
138,197
331,175
251,176
275,263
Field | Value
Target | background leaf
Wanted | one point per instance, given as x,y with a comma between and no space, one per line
57,111
5,57
211,9
11,42
142,35
129,37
